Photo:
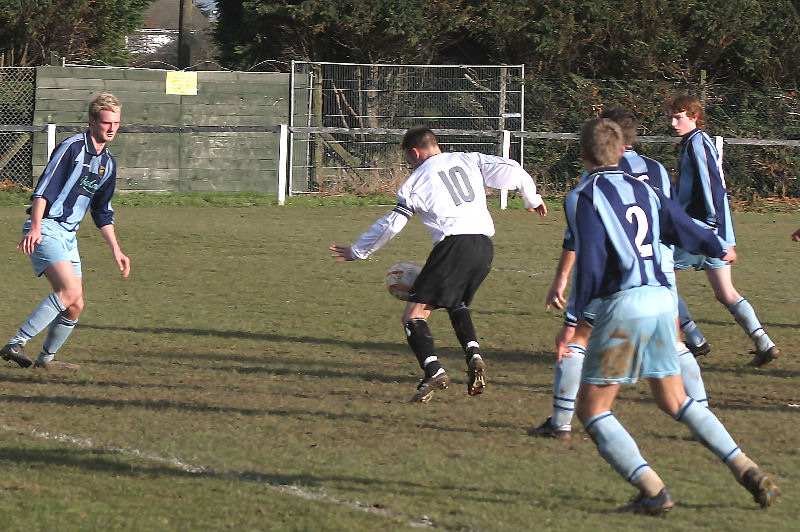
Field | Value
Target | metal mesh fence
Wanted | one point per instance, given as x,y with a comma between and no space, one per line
760,127
488,99
392,97
366,109
17,90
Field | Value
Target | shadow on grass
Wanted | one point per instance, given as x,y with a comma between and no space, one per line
99,460
247,335
766,324
498,353
279,367
773,369
194,407
87,459
117,463
22,376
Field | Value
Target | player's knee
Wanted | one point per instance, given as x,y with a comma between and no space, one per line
72,297
408,316
727,296
668,393
668,408
75,309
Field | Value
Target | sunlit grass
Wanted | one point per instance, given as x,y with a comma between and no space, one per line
239,358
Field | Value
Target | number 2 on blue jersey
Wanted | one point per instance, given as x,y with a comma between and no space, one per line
642,227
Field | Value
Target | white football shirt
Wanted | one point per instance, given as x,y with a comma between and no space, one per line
448,192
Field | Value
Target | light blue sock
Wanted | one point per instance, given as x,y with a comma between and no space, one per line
57,334
688,326
566,381
745,316
707,429
616,446
692,380
41,317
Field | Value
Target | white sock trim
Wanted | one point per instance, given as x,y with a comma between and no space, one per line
429,360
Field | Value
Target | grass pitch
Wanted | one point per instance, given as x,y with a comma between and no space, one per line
241,380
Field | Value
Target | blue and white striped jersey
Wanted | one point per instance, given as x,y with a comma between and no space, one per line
642,168
618,223
701,188
654,174
77,179
646,169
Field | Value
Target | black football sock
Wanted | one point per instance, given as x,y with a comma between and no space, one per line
461,319
419,337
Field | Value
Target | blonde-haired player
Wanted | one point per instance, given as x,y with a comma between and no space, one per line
80,177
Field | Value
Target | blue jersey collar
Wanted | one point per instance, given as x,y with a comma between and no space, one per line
603,170
688,135
87,140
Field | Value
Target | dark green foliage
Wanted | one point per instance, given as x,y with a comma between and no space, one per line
77,30
751,41
250,32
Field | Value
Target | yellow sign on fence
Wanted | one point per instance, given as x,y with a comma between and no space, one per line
182,83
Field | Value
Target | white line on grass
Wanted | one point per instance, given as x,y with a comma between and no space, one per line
200,470
507,270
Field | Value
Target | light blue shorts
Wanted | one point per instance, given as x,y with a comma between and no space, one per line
57,245
685,260
634,336
590,310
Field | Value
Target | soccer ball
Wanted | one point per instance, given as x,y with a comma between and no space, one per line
400,278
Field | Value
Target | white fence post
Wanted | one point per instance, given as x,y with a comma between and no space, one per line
51,139
283,145
718,141
506,153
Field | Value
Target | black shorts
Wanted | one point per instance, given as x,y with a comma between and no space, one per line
453,272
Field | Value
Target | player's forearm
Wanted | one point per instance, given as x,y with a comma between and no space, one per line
679,229
378,234
527,188
565,264
38,207
502,173
110,236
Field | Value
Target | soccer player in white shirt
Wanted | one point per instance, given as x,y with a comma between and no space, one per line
448,191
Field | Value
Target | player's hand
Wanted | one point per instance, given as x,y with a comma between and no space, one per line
796,236
29,241
123,263
555,296
342,253
730,257
563,337
541,209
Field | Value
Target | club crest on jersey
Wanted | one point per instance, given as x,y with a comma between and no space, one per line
101,171
90,185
